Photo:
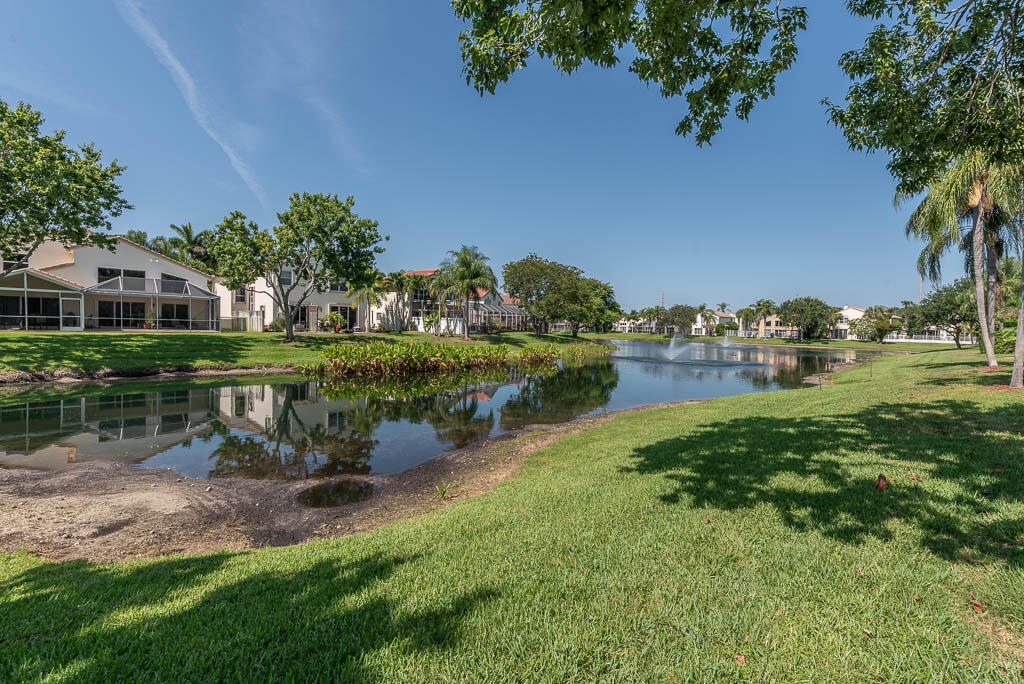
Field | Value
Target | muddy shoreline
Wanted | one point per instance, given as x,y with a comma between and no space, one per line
104,512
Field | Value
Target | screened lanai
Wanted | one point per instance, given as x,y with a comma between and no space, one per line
150,303
33,300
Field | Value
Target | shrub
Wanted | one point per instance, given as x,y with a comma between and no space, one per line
1005,341
276,325
385,358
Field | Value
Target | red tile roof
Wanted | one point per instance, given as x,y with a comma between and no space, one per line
510,300
423,272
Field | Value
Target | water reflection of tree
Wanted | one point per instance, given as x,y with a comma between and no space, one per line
457,422
562,396
290,449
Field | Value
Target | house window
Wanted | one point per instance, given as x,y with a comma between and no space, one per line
286,277
338,287
420,295
104,274
240,295
168,276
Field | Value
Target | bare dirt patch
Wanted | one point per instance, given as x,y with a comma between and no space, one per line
101,511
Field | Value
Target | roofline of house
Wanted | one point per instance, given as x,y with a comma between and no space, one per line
209,276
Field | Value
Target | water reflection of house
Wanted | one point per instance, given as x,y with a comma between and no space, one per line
126,427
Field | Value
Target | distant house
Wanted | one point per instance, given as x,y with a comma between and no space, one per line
706,325
87,287
847,315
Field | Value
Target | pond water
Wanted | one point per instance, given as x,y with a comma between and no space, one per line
297,430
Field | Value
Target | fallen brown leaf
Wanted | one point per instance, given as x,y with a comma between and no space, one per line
978,608
705,521
741,659
916,597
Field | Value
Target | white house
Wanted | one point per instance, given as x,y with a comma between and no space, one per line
847,315
88,287
252,307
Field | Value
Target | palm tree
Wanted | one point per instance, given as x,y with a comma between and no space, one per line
184,241
466,272
707,315
747,315
416,283
723,307
370,294
964,199
763,309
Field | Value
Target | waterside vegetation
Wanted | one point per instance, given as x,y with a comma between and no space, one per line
381,358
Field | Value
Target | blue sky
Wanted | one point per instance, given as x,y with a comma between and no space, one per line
217,106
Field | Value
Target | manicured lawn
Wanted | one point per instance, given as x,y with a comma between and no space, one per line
93,351
662,545
851,344
833,344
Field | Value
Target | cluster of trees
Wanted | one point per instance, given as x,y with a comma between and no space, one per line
551,292
185,244
937,86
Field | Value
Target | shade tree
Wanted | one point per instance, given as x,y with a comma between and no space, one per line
318,240
50,190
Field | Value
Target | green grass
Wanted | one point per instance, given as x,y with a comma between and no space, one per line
849,344
97,350
657,546
834,344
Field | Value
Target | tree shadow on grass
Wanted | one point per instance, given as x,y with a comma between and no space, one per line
202,617
810,470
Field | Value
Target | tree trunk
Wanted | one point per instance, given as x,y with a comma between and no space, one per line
991,268
465,318
956,338
289,324
979,278
1017,377
575,329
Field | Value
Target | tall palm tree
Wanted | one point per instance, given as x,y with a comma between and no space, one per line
959,201
371,294
763,309
415,283
723,306
747,315
467,273
707,315
185,241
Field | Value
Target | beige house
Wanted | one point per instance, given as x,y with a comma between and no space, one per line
92,288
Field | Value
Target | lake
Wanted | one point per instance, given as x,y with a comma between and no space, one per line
297,430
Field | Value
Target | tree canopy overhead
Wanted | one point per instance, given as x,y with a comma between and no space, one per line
720,56
933,80
50,190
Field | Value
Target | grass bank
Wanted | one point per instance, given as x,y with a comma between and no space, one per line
35,352
742,538
831,344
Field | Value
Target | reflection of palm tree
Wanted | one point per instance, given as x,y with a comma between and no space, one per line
458,423
561,396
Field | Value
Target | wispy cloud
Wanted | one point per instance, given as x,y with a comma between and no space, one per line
133,16
289,53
